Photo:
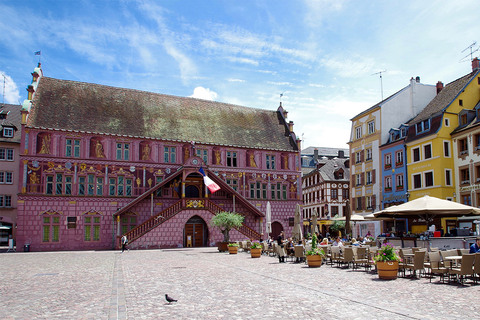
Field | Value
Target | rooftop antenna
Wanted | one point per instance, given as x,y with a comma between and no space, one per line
381,81
472,51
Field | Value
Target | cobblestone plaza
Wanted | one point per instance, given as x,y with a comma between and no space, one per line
213,285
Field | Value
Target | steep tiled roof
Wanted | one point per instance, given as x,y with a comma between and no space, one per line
443,99
328,169
13,119
78,106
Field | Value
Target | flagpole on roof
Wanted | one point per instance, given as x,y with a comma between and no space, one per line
39,54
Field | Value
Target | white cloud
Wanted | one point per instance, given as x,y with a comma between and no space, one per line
204,93
235,80
243,60
12,95
350,67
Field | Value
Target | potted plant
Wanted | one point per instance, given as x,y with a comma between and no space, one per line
387,259
233,248
255,250
226,221
315,255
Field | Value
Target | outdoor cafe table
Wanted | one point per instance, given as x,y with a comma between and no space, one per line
454,259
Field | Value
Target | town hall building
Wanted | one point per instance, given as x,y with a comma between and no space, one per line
98,162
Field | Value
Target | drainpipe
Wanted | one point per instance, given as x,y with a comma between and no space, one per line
233,203
151,204
113,230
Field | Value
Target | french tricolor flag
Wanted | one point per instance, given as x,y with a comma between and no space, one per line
212,186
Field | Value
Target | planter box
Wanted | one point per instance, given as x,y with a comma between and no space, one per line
387,270
314,261
232,250
222,246
255,253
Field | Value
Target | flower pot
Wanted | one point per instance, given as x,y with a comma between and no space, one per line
387,270
233,250
222,246
314,261
256,253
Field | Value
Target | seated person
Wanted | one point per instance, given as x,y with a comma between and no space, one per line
324,242
474,248
338,242
355,242
290,247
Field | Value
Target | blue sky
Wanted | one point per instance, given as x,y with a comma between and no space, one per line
320,54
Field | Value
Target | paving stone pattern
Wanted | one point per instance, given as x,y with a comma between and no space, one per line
213,285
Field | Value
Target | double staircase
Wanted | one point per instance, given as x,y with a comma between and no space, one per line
183,204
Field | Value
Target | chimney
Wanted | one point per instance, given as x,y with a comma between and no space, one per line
285,113
290,126
341,154
475,64
299,144
315,155
439,86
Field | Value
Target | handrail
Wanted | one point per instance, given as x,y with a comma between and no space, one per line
171,211
249,232
154,221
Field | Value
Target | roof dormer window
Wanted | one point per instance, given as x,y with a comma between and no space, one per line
423,126
8,132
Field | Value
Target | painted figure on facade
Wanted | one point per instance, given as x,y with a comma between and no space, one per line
146,152
33,181
176,188
285,161
45,149
218,157
253,164
99,153
187,153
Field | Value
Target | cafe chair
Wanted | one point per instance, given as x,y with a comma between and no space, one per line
465,269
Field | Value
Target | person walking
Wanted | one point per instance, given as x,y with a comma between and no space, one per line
281,247
124,242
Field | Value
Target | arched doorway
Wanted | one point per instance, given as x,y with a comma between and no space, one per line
276,229
192,192
194,185
195,233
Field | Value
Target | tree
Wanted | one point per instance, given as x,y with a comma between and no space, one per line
226,221
337,225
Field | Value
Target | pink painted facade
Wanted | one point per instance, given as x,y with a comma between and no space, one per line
83,190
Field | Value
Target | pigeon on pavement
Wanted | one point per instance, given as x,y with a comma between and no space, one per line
169,299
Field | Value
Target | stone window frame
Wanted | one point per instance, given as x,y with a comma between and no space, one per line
50,227
92,227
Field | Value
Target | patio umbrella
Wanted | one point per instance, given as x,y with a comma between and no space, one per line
314,222
297,226
353,217
268,219
427,208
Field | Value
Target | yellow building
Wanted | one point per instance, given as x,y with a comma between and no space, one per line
370,129
430,162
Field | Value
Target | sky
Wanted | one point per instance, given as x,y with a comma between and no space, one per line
321,59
